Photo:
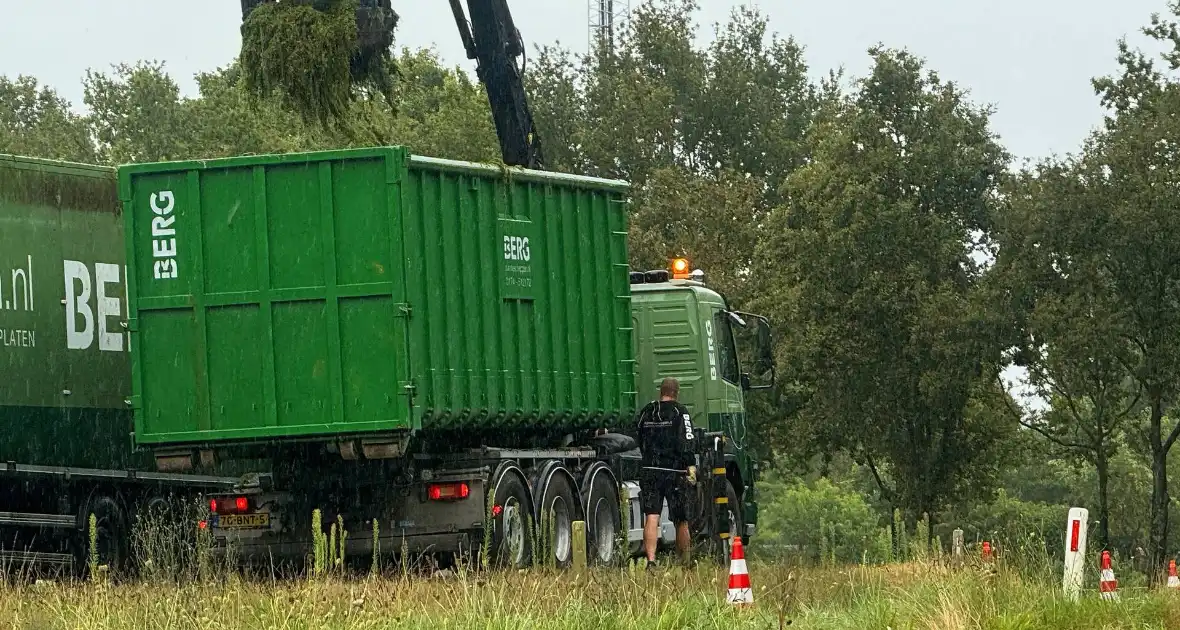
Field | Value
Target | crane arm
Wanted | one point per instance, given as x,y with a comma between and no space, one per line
492,40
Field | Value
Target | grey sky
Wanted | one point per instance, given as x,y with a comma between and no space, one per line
1032,59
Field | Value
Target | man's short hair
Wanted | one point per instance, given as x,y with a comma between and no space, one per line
670,388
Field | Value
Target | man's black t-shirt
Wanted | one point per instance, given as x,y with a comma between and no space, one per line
665,435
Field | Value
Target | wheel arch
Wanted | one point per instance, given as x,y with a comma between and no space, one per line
544,476
592,472
508,467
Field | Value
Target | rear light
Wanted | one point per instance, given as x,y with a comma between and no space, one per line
448,491
237,505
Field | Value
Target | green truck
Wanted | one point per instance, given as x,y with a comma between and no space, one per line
445,349
65,426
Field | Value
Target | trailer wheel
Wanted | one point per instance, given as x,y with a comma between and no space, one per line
558,511
602,515
511,523
111,535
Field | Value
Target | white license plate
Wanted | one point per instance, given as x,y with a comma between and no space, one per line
243,521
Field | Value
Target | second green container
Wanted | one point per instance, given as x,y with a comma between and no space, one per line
371,291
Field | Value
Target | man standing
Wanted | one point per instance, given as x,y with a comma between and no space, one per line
666,443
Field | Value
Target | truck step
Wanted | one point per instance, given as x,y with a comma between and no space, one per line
26,519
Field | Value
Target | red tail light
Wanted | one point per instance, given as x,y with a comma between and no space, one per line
238,505
448,491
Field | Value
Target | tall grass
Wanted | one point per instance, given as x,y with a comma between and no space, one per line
911,595
181,587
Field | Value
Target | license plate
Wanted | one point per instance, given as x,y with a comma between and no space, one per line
243,521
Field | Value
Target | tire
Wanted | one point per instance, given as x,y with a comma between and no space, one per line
602,517
511,545
558,510
112,536
736,521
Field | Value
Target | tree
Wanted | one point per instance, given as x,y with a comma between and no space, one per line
713,219
35,121
1076,352
137,114
871,275
1116,232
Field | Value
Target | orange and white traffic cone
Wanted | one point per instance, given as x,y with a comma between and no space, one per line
740,592
1173,581
1107,586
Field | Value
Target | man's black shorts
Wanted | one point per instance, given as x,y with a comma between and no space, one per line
656,486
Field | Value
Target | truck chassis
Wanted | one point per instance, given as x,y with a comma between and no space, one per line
523,501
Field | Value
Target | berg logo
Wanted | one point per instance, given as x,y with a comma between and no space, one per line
164,236
517,248
712,349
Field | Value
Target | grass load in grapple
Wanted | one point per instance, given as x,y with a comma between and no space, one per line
315,53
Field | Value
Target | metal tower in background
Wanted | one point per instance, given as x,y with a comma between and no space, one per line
606,18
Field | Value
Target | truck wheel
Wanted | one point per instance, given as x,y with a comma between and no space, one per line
602,516
111,535
558,511
511,523
736,524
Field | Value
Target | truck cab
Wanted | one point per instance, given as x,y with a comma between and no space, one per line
686,330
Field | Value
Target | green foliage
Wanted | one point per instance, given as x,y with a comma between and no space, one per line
1093,239
819,522
1008,520
137,114
705,135
869,273
309,54
35,121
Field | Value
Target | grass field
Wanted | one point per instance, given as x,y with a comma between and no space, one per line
913,595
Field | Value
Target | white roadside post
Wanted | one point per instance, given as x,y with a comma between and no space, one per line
1075,551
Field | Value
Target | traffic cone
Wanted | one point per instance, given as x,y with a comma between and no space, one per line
987,551
740,592
1173,581
1107,586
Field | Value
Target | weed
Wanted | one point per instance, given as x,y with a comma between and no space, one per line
375,570
92,564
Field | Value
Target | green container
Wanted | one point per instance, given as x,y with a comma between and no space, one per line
369,291
63,349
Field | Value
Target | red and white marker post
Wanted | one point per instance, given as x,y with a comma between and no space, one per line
1075,552
1173,581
